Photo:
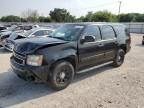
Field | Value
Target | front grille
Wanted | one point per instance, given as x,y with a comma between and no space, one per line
20,59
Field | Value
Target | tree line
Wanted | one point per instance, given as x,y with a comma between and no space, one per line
62,15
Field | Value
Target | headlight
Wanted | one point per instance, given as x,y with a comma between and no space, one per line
34,60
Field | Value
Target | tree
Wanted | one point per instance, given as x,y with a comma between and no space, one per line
81,19
100,16
103,16
139,18
44,19
88,17
11,18
61,15
30,15
127,17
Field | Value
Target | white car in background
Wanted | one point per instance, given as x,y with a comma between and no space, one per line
37,32
4,34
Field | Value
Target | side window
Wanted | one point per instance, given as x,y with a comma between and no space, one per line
27,27
39,33
107,32
47,32
92,31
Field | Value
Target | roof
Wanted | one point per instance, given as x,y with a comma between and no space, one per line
96,23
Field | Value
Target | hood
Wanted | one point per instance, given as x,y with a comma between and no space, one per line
14,37
29,45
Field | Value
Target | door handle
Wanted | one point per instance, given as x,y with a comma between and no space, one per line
101,45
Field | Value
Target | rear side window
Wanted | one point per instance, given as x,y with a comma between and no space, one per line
120,31
107,32
92,30
39,33
47,32
27,27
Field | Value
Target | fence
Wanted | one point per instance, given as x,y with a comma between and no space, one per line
133,27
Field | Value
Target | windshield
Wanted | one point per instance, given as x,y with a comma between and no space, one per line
12,28
67,32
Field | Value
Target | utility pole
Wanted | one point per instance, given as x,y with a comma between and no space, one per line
119,11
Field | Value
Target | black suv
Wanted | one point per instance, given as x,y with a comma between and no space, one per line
69,50
143,41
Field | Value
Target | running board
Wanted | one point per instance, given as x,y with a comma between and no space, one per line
95,67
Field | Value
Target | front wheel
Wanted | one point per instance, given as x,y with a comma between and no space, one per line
119,59
61,75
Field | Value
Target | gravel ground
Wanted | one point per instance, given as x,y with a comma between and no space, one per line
105,87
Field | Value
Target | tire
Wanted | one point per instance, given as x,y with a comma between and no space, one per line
119,59
61,75
142,42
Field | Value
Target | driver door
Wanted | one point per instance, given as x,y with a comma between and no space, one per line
91,53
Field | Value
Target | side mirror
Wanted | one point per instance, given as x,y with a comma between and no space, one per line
87,39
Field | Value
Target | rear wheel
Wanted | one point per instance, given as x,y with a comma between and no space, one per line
142,42
119,59
61,75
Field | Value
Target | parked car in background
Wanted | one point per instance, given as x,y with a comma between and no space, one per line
69,50
52,26
7,25
37,32
143,41
18,29
2,28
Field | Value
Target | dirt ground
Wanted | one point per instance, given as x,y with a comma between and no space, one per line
105,87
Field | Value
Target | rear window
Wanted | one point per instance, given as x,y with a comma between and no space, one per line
107,32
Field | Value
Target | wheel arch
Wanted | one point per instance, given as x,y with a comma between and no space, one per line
71,59
123,46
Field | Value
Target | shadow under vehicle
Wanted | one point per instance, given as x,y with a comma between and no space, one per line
37,32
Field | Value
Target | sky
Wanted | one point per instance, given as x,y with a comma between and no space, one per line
75,7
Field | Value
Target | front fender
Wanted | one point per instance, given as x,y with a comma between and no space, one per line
52,57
